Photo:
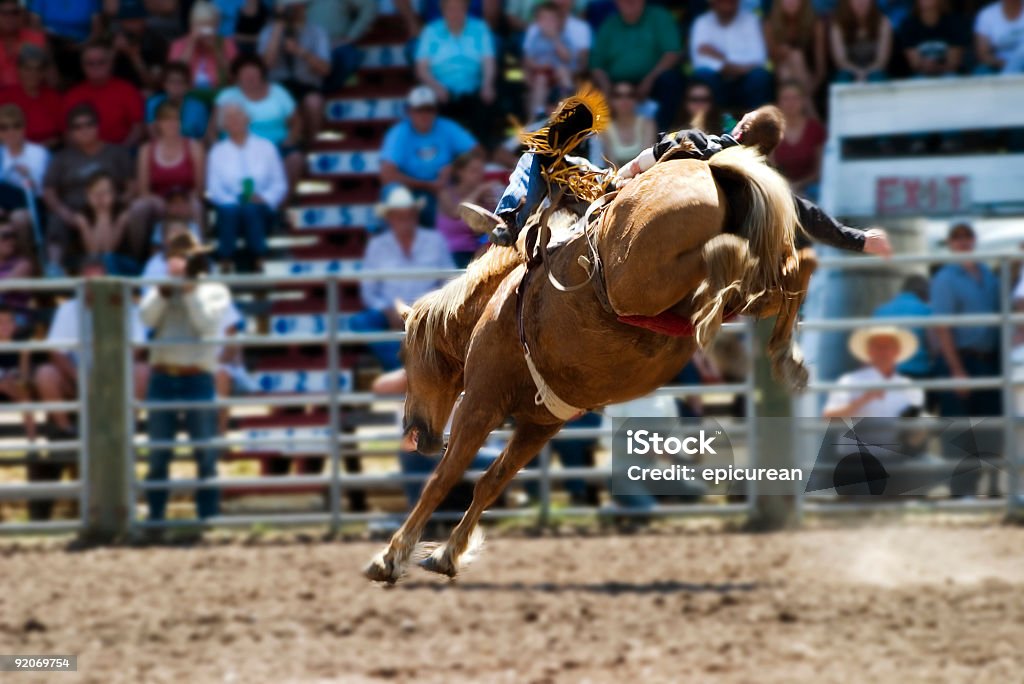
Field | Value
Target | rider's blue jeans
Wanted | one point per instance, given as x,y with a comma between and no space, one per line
526,184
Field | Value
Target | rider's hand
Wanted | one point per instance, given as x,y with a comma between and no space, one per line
877,243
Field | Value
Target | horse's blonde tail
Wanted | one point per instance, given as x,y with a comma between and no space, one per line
769,219
728,262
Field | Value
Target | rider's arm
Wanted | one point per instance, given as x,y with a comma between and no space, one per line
823,228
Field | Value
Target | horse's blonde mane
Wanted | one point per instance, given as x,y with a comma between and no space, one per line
432,313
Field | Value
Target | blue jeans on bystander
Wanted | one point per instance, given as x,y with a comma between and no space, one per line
251,220
750,91
200,424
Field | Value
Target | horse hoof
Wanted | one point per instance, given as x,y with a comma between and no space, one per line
381,570
439,563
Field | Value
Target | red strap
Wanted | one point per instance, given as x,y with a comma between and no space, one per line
666,323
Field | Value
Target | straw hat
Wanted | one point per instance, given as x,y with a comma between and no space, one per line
398,198
859,341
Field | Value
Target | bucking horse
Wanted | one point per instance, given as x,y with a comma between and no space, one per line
668,258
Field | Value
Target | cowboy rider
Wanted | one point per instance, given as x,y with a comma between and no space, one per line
581,116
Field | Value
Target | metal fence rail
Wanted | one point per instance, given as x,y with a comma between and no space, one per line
25,453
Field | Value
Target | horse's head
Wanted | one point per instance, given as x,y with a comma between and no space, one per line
434,383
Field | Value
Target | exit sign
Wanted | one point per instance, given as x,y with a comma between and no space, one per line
922,195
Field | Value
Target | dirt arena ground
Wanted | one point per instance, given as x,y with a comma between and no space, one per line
896,603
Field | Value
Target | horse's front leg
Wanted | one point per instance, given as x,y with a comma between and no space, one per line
472,422
526,442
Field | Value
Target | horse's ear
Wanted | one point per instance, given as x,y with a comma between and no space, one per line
403,309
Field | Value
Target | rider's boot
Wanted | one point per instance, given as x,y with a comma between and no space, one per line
483,221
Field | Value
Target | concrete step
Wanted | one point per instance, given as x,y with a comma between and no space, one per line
305,324
336,163
300,381
314,217
323,267
372,108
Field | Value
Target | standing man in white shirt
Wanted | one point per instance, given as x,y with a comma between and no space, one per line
729,55
246,182
186,312
403,245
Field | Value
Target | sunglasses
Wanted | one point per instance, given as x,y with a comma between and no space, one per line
81,125
699,99
97,62
7,236
11,127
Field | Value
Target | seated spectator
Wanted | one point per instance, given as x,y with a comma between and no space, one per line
207,54
630,132
252,17
139,51
187,312
418,151
468,185
297,53
16,262
999,38
269,109
195,117
795,37
728,53
15,371
551,58
798,156
13,36
104,228
911,300
967,351
41,105
171,162
860,41
701,111
651,62
68,27
932,39
118,104
345,27
402,245
64,186
455,58
246,183
880,349
22,164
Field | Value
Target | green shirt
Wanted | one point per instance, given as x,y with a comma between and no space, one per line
648,39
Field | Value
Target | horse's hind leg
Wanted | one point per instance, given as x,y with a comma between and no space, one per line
472,422
785,355
526,442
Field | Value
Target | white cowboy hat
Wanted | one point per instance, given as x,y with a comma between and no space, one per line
398,197
859,341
